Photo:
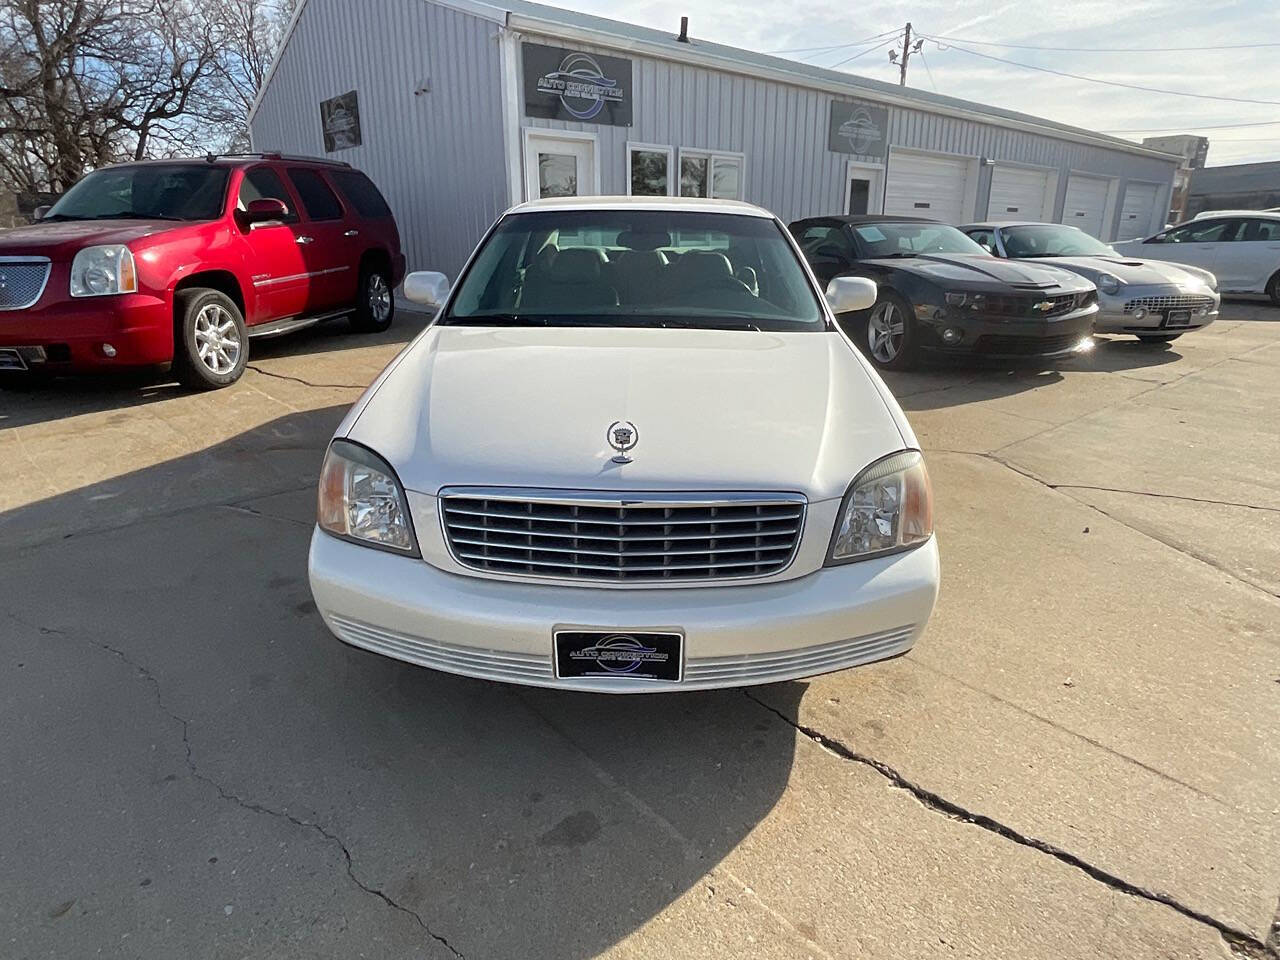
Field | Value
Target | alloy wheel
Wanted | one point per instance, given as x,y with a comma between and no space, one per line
379,297
217,339
885,332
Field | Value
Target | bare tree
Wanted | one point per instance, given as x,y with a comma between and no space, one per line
88,82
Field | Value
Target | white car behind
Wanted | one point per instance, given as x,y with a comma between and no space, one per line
633,453
1242,250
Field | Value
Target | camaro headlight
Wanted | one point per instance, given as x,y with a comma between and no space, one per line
361,500
888,508
1107,283
974,301
103,270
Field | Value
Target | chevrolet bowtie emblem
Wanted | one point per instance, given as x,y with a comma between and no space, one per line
1043,305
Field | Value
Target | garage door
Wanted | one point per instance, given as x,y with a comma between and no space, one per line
1086,204
1138,210
1018,194
927,186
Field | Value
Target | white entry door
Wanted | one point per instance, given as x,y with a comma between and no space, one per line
1019,193
928,185
1137,211
559,166
1086,203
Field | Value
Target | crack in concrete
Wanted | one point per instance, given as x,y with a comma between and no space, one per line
305,383
249,805
1242,942
1161,496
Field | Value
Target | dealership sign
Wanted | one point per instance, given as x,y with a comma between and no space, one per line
340,122
858,128
571,85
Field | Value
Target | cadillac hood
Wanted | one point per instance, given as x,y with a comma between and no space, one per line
712,410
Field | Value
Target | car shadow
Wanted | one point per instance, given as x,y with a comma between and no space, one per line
515,821
28,400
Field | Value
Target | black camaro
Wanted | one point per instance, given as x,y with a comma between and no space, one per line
941,293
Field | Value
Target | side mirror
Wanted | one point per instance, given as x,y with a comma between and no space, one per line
848,294
426,287
264,210
40,212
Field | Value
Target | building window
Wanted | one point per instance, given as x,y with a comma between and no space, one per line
648,170
715,175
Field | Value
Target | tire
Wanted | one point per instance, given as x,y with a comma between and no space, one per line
874,334
375,303
1273,289
1158,337
211,345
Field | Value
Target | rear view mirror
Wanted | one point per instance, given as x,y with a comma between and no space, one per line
848,294
426,287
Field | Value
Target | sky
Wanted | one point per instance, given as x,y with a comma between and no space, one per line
1246,74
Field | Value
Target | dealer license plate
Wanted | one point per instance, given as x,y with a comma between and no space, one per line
12,360
619,653
1177,318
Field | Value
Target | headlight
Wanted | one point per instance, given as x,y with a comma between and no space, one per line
101,271
1107,283
361,500
888,508
974,301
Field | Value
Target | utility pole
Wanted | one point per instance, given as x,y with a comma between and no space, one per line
907,50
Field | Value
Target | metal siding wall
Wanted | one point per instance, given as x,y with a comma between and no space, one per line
438,157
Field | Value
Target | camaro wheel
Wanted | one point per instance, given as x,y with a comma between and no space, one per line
1158,337
212,345
375,307
887,339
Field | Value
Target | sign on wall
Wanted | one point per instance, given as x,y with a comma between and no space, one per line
858,128
340,122
571,85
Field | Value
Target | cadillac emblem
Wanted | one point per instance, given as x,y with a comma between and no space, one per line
622,436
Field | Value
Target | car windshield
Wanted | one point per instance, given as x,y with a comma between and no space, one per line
906,239
634,268
146,191
1052,240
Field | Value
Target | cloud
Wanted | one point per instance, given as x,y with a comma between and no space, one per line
1250,74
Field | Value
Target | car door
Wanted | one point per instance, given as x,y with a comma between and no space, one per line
333,262
274,257
1258,254
1198,243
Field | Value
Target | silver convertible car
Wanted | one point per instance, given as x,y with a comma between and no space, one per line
632,453
1151,299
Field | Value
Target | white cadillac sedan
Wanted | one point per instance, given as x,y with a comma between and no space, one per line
633,453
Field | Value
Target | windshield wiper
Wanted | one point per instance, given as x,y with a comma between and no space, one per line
49,217
130,215
496,320
709,323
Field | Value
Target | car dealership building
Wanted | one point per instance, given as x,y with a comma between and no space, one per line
458,109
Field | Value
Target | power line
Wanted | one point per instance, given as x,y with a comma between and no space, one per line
928,71
836,46
1109,83
1027,46
882,43
1192,125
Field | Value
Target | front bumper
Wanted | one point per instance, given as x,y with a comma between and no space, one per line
71,332
735,635
1116,313
997,336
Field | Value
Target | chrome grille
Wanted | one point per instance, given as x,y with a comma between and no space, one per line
1161,304
645,537
22,280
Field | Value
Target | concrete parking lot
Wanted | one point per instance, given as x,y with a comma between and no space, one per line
1081,758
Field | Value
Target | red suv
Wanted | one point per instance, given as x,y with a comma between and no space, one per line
183,261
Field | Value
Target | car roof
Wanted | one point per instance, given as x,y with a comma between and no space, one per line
993,224
1209,214
676,204
856,219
